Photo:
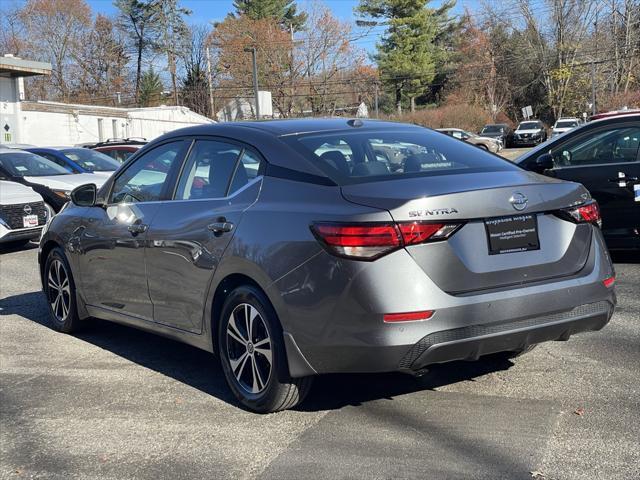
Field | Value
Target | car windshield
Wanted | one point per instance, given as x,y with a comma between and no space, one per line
359,157
91,160
493,129
25,164
566,124
529,126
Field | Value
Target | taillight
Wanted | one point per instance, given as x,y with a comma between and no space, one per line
368,241
587,213
609,282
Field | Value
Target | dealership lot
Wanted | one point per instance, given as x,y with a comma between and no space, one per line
113,402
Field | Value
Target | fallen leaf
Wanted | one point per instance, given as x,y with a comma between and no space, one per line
579,411
536,474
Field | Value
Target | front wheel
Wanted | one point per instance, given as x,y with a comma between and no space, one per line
61,292
252,354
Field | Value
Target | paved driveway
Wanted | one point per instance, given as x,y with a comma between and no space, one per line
116,403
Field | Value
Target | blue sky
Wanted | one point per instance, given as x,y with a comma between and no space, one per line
211,10
216,10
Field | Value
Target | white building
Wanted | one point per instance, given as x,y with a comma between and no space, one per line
53,123
242,108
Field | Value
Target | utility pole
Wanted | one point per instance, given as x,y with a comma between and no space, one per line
594,110
255,79
376,100
212,104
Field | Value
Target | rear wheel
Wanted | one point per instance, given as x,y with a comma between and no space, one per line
252,354
483,147
60,290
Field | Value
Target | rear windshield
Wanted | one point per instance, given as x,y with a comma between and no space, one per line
358,157
91,160
493,129
25,164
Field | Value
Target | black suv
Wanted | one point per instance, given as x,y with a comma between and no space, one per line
604,156
499,131
530,132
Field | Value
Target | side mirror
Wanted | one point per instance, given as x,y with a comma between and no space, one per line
542,163
84,195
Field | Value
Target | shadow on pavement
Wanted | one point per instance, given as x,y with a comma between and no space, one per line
201,370
12,247
625,257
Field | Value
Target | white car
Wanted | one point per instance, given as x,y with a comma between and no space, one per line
22,213
53,182
563,125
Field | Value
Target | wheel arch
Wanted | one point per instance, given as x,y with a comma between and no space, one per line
297,364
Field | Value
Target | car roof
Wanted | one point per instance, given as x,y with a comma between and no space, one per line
615,113
285,127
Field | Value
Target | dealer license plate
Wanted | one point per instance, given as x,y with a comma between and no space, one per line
512,234
30,221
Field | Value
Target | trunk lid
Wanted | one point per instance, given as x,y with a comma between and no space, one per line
463,263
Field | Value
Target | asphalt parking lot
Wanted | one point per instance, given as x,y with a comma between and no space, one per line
116,403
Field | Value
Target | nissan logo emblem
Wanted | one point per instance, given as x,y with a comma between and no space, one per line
27,209
518,201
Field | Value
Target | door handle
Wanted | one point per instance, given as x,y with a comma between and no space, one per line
220,227
137,228
625,180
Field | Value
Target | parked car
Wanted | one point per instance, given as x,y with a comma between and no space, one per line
289,262
499,131
53,182
22,213
603,156
486,143
563,125
78,160
530,132
120,149
616,113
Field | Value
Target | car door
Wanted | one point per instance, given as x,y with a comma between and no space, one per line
190,233
606,162
112,260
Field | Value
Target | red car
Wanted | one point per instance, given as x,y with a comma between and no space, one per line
118,148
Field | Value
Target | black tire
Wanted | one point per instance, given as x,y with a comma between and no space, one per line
63,316
519,353
241,360
483,147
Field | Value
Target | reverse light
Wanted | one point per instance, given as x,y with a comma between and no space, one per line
408,316
609,282
368,241
587,213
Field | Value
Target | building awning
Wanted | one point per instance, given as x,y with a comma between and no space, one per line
17,67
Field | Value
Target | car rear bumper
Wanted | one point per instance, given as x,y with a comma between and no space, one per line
470,343
351,335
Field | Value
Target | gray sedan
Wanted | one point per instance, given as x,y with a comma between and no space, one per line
293,248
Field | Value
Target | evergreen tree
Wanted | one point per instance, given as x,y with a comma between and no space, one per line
414,46
150,88
140,20
283,11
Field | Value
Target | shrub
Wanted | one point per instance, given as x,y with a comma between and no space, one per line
465,116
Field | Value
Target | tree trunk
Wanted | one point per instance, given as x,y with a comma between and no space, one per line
139,70
399,99
413,104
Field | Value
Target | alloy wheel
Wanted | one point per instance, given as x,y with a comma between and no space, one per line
59,290
249,348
